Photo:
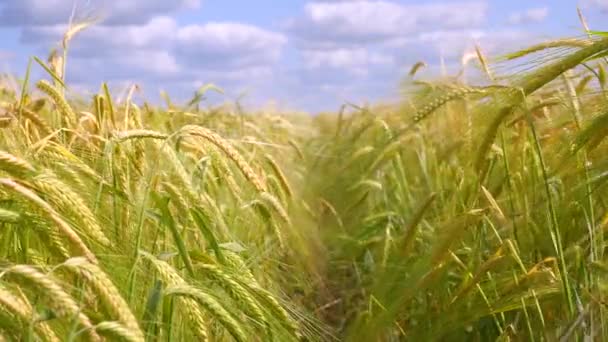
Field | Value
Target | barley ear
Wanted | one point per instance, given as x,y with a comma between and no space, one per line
62,303
213,306
62,105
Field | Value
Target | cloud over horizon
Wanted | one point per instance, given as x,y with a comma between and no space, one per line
322,53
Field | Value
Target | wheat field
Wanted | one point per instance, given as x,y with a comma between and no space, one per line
466,212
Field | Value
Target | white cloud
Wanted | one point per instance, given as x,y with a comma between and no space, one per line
378,21
160,48
157,62
113,12
355,60
531,15
141,65
601,4
254,73
453,44
336,49
158,33
6,55
228,43
449,44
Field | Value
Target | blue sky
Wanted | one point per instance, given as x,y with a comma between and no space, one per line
308,55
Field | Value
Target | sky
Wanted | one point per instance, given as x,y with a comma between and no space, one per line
295,54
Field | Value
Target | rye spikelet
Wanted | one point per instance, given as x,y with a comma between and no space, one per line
108,294
15,166
212,305
230,151
172,278
62,105
63,227
62,303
